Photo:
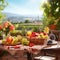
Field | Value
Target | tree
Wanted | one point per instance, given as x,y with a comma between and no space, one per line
27,21
3,4
52,7
51,11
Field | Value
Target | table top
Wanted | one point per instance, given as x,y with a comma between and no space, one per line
22,47
13,49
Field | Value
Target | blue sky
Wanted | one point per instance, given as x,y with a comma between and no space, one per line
24,7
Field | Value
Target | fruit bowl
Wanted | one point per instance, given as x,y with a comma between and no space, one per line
38,38
11,44
37,41
10,40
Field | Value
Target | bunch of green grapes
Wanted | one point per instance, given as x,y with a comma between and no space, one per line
25,41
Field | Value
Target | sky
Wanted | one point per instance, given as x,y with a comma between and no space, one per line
24,7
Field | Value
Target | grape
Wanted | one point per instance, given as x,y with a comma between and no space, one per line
25,41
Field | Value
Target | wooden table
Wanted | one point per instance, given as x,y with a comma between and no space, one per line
27,49
51,50
43,48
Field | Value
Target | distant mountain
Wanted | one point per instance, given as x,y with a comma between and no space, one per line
19,18
11,15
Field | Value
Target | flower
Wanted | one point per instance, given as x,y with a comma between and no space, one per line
11,27
6,27
6,24
46,30
1,27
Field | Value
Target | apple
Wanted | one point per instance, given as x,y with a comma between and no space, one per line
33,34
29,33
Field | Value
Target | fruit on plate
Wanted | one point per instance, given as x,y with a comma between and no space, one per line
9,39
15,41
25,41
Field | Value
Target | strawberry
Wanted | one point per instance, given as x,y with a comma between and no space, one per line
16,47
31,44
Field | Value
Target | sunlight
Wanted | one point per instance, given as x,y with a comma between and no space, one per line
44,1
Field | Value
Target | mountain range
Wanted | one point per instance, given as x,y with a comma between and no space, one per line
15,18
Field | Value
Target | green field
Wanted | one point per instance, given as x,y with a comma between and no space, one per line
23,28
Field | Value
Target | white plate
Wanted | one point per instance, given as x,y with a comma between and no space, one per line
54,42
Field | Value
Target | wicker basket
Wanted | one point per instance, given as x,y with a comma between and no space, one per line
37,41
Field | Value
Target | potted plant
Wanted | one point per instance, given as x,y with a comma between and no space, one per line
52,24
58,24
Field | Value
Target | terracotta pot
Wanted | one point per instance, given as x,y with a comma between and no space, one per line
52,27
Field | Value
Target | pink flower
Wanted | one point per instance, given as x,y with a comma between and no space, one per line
11,27
1,27
6,24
